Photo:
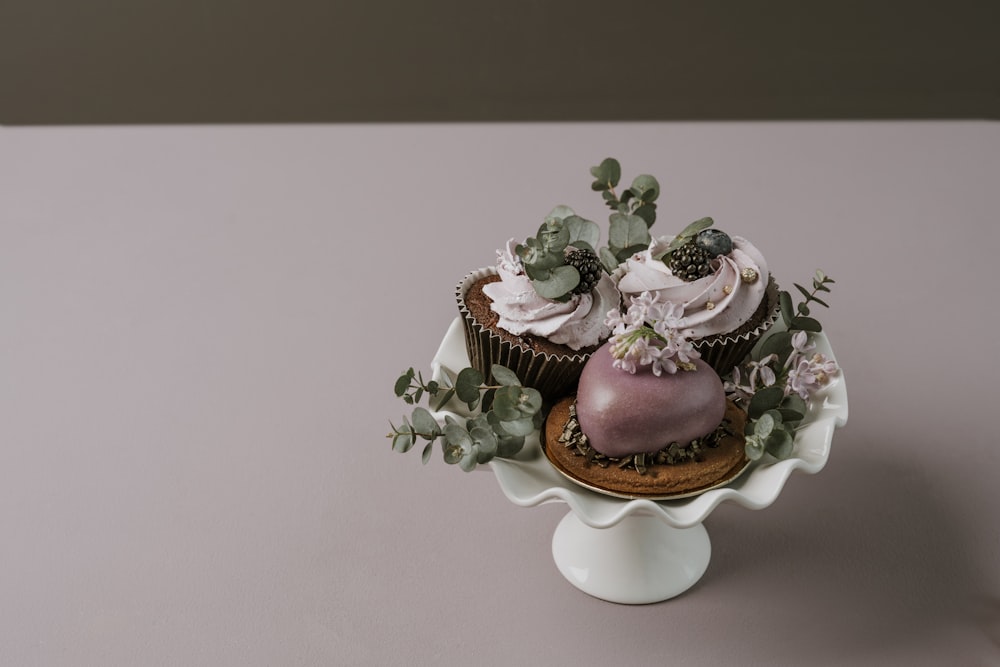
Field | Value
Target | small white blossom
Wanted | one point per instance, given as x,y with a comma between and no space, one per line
809,375
662,361
800,342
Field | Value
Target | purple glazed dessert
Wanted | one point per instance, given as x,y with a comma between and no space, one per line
625,414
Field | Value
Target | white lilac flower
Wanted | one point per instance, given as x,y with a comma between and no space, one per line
736,376
644,301
809,375
736,387
800,342
649,333
684,349
624,363
640,351
614,321
662,361
665,314
761,369
800,346
635,316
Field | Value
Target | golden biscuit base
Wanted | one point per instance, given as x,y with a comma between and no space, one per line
718,466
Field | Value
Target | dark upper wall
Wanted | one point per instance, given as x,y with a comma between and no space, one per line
208,61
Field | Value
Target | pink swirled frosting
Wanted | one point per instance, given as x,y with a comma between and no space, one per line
576,323
733,299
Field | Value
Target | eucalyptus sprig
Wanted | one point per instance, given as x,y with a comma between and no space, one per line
798,319
515,412
634,212
544,255
786,374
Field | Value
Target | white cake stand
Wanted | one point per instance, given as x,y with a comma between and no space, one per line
643,551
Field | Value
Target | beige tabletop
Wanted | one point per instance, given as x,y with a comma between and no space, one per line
199,332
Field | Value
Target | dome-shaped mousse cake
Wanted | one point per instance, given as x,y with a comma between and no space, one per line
623,413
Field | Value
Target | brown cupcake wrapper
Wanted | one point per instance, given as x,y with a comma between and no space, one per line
553,376
725,351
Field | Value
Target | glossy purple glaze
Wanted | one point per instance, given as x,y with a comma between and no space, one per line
624,414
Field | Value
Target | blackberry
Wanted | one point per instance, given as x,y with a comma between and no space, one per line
589,267
690,262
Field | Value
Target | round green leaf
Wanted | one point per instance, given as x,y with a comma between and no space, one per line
645,187
456,444
504,375
530,400
424,424
780,444
509,445
582,231
485,441
505,403
468,461
402,442
764,425
512,403
554,236
609,172
793,408
528,252
520,427
764,400
467,385
456,434
647,212
754,448
402,384
627,230
608,259
561,282
560,212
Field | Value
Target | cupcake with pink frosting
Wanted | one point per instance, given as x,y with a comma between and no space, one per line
540,311
728,296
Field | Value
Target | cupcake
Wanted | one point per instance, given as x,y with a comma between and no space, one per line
728,296
545,340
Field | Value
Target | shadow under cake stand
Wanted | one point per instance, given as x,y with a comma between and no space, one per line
641,551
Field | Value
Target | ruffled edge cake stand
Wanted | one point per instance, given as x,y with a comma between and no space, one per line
643,551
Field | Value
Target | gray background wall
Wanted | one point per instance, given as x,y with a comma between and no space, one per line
213,61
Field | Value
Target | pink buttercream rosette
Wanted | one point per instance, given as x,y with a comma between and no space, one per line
725,313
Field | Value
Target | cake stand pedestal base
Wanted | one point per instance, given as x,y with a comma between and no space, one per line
638,560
